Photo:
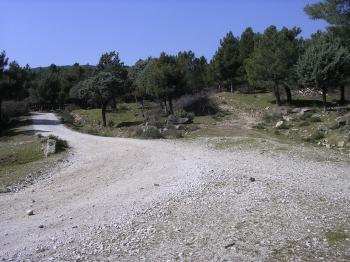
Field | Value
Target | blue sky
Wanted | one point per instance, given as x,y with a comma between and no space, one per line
41,32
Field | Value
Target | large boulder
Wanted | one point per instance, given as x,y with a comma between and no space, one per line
304,110
50,147
343,120
296,110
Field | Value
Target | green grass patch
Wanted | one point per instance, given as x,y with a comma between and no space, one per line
17,154
127,114
336,236
204,120
226,144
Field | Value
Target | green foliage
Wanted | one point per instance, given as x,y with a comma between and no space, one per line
61,145
334,12
315,119
194,70
314,137
17,154
151,133
246,48
226,61
272,117
274,55
324,62
336,236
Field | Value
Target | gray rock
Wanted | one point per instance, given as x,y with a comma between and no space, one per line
178,120
288,118
296,110
304,110
50,147
30,212
343,120
279,124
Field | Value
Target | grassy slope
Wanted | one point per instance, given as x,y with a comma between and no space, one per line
21,155
239,112
120,123
17,155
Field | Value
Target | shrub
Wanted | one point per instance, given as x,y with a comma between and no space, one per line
71,107
259,126
199,104
304,123
92,131
315,119
284,126
305,116
272,117
66,117
14,109
173,133
317,135
153,117
111,123
61,144
152,133
184,114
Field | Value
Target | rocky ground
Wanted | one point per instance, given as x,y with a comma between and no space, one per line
129,200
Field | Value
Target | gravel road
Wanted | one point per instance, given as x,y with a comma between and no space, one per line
122,199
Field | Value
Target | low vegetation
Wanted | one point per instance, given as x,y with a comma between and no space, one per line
22,155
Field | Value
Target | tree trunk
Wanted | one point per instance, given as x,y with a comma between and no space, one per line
277,94
165,108
171,109
288,94
342,94
114,104
0,111
142,107
103,110
231,87
324,98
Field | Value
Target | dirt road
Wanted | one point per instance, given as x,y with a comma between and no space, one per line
130,200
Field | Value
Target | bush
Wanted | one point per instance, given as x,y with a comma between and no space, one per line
184,114
14,109
151,133
305,116
200,104
259,126
66,117
61,144
173,133
315,119
71,107
272,117
153,117
317,135
110,123
304,123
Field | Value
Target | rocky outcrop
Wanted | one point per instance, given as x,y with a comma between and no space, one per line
50,148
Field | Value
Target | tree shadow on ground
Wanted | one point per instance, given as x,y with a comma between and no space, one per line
311,103
129,124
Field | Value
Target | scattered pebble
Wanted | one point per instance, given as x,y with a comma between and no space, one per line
156,185
41,226
30,212
252,179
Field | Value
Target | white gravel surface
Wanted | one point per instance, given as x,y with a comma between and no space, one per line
139,200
